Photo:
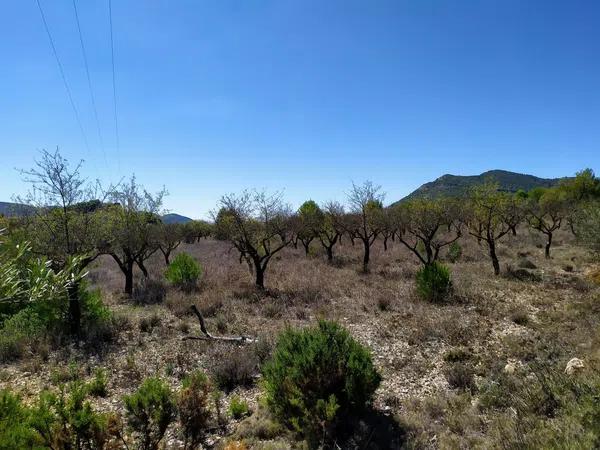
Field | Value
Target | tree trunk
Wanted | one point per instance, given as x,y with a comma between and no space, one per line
495,263
128,271
260,277
74,309
385,247
366,256
548,244
329,253
306,246
513,228
142,267
167,255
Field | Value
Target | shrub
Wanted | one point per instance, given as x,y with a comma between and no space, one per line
194,413
384,303
525,263
235,369
15,431
317,376
454,252
461,376
149,412
238,408
67,419
149,292
98,386
183,272
433,282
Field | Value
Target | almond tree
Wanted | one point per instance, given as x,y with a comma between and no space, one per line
366,219
331,227
426,226
129,228
489,218
546,211
62,224
310,220
169,237
255,223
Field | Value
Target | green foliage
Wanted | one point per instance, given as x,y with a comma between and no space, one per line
34,301
433,282
317,376
238,407
454,252
194,412
588,227
67,420
149,411
183,272
98,387
15,432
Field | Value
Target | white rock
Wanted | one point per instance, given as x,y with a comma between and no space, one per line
510,368
574,365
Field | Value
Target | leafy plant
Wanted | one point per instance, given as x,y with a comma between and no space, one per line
15,431
454,252
67,419
149,412
183,272
238,407
317,376
98,386
433,282
194,412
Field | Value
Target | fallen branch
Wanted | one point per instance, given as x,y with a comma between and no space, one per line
209,337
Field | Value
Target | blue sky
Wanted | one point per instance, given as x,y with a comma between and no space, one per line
303,96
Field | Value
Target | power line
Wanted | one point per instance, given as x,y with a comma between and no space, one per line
89,80
64,78
112,54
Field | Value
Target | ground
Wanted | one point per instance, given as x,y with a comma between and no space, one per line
544,314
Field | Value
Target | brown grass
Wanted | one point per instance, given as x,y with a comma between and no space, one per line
432,357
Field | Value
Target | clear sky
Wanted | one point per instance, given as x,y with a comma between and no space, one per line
302,96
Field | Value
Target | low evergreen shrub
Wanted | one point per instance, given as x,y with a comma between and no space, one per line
433,282
183,272
149,411
317,377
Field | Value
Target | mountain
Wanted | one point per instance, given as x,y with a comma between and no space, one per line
14,209
175,218
457,185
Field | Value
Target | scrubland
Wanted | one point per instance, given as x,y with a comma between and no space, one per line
483,369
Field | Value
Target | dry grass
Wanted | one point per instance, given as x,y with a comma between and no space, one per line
432,357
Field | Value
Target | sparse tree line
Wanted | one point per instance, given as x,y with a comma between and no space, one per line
78,221
44,258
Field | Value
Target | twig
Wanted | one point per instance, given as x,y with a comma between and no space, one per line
209,337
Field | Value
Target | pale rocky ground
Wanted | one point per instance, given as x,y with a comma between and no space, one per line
408,337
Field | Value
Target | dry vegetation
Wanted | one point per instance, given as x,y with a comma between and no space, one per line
440,363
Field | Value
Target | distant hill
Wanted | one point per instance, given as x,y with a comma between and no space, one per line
8,209
175,218
458,185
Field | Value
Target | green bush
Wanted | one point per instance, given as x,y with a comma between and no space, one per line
454,252
433,282
183,272
238,408
67,420
15,431
194,412
149,412
98,386
317,376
